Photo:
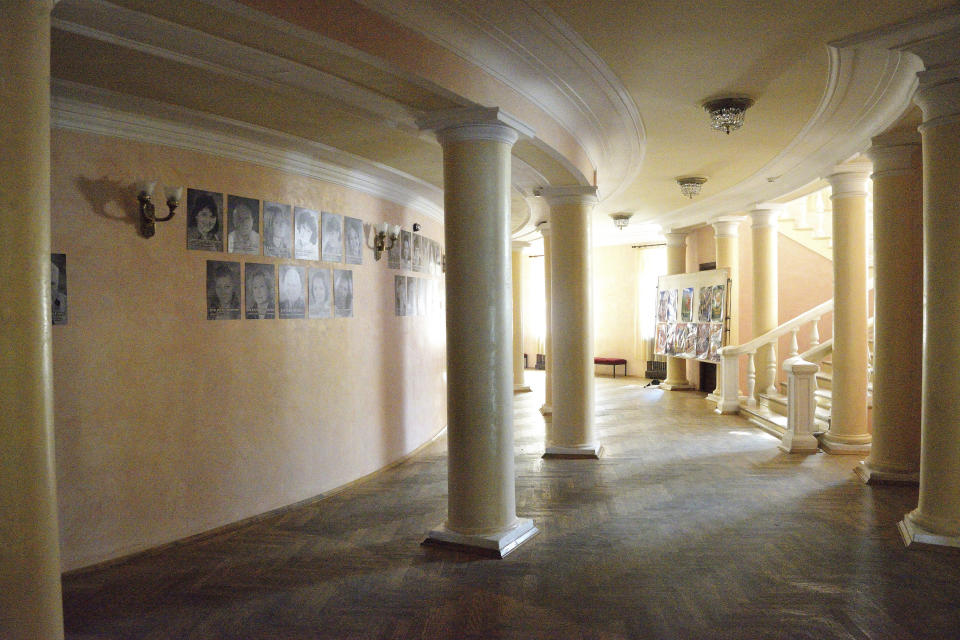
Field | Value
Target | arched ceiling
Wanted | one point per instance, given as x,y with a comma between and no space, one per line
612,89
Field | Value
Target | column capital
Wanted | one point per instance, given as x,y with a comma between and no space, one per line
475,123
765,215
544,229
939,95
849,180
727,226
585,195
519,245
676,239
895,152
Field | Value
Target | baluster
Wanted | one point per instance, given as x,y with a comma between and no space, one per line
772,370
815,332
794,347
751,378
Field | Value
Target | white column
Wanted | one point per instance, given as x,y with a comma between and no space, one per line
519,386
936,520
547,409
726,234
30,598
481,501
898,308
765,282
848,432
571,431
676,263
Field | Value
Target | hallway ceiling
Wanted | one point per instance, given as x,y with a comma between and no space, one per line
612,89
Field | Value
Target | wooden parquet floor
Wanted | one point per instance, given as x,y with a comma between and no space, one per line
692,525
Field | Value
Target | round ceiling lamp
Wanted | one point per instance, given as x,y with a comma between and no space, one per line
621,220
726,114
690,187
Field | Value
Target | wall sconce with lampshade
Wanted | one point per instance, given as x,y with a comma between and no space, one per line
148,216
383,233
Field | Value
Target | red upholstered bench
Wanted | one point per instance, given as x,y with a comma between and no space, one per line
613,362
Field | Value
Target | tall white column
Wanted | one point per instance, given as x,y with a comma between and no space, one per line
519,385
481,501
547,409
676,263
848,432
726,236
898,308
763,225
571,431
30,599
936,520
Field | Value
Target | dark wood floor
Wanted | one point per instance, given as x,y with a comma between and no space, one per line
691,526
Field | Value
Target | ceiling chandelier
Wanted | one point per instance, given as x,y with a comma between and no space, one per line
621,220
690,187
726,114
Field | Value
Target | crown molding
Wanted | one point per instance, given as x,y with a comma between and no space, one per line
85,109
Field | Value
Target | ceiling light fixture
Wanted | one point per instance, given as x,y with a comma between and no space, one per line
621,220
726,114
690,187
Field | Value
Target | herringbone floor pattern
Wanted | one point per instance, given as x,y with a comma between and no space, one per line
691,526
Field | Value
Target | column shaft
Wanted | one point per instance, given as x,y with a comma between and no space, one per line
30,599
517,278
765,283
481,503
898,309
848,432
936,520
571,432
676,263
726,233
547,408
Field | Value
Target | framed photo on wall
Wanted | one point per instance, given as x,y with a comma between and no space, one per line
260,301
321,305
332,237
223,290
277,230
292,291
343,293
306,236
352,240
204,220
243,221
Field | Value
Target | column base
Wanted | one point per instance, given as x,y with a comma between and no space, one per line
673,385
497,544
915,536
547,412
521,388
840,446
591,451
804,443
871,475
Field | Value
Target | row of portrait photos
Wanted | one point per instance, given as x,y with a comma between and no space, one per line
415,296
690,340
293,232
300,291
709,307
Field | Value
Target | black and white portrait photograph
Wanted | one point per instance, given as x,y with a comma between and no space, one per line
223,290
421,297
260,301
352,240
343,293
204,220
306,237
321,304
331,237
394,260
400,294
277,230
418,243
293,291
406,253
243,223
411,296
58,288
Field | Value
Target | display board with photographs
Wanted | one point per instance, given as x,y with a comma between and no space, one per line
691,314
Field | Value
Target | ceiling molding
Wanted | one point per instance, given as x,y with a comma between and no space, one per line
81,108
532,51
866,91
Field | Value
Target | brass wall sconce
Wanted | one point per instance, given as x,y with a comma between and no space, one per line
383,233
148,216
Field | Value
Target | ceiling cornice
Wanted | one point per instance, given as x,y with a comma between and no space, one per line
82,108
532,51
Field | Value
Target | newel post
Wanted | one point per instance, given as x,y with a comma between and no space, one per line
801,405
729,387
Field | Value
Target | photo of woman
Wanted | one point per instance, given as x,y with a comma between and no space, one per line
306,241
353,240
343,293
292,294
204,210
223,290
277,230
244,224
332,237
319,299
260,298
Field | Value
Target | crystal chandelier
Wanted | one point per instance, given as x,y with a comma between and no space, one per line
726,114
621,220
690,187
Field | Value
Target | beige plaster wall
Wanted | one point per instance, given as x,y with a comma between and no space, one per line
168,424
616,331
534,306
